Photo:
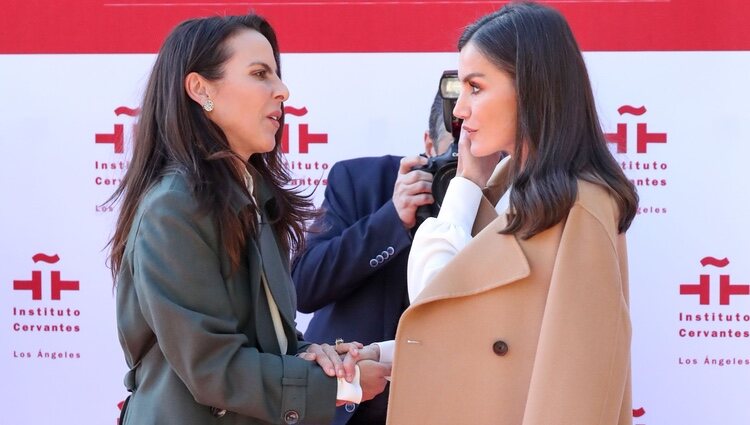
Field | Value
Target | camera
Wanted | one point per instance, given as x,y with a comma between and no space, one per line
443,167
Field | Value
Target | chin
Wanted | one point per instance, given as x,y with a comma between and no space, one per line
479,150
268,146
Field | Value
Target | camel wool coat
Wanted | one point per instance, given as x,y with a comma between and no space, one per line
522,332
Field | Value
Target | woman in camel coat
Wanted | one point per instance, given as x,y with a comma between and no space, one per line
519,287
522,331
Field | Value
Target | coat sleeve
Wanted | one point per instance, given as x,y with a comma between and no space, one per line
581,372
183,298
338,259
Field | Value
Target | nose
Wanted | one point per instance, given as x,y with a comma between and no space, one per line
282,91
461,109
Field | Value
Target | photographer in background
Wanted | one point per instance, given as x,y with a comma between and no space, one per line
353,272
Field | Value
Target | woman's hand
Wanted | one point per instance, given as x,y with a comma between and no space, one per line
476,169
355,355
373,377
329,358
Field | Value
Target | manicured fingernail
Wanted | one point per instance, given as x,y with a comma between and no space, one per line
330,371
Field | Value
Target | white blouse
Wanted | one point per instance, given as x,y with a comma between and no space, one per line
440,238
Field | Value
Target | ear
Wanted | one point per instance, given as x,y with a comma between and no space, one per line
429,147
197,87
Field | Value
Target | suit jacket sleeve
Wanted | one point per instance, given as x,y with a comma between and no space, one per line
337,260
582,369
183,298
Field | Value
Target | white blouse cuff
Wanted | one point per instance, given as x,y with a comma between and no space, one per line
386,351
461,202
349,391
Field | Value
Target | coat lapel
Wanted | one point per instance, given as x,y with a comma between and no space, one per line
490,259
497,185
499,181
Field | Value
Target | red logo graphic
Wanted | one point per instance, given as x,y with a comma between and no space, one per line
637,413
35,283
305,138
304,135
643,137
119,407
703,287
117,138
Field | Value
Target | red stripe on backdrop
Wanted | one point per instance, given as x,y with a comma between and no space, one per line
308,26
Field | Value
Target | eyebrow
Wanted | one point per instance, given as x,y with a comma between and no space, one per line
472,75
263,64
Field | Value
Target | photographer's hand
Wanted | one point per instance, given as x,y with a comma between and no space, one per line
477,169
413,189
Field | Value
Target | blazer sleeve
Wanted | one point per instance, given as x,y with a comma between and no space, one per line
183,298
582,366
338,259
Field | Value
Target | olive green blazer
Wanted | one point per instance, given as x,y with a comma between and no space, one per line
199,338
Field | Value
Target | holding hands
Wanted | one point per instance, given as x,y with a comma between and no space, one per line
373,373
329,358
339,361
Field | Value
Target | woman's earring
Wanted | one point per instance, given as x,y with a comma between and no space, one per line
208,105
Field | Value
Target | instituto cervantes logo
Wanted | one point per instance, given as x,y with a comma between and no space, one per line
304,137
703,287
44,310
633,142
57,284
306,172
117,137
715,316
296,143
110,170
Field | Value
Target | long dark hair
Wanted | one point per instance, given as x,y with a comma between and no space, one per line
557,119
174,133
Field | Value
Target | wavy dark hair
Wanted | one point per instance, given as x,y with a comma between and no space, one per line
174,134
557,119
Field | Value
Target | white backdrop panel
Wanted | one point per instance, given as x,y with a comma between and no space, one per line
54,177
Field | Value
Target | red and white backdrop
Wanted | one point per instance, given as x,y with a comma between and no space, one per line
671,78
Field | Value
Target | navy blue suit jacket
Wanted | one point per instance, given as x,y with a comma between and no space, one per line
353,271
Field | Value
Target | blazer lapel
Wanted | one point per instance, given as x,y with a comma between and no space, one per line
264,332
276,268
277,278
264,328
264,257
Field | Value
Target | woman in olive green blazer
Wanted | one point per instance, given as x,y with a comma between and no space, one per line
205,303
